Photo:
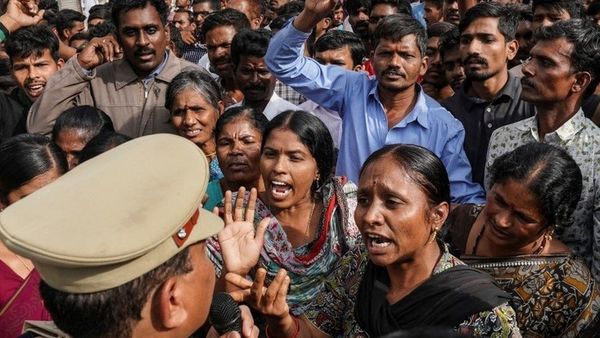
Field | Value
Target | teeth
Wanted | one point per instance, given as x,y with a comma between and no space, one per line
279,183
191,133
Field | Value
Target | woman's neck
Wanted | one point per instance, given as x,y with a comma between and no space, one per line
208,148
407,276
299,221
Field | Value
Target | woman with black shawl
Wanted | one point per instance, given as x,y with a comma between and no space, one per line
402,278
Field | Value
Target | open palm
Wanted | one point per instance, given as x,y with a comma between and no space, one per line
240,242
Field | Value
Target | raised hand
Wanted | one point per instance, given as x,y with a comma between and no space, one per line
240,242
313,12
188,37
98,51
21,13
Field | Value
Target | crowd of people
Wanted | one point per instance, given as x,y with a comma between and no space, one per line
355,168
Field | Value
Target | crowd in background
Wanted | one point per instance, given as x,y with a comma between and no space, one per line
382,167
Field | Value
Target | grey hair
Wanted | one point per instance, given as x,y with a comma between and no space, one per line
198,81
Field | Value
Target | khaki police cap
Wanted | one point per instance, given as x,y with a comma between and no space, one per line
115,217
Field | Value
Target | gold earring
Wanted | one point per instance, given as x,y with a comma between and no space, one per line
433,235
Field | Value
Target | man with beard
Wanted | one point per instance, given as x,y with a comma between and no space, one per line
248,50
130,90
358,17
434,82
33,53
386,109
563,70
451,13
489,97
219,29
450,58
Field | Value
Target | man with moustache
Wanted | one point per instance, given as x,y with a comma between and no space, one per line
130,90
386,109
248,50
563,71
219,29
489,97
450,58
34,58
358,17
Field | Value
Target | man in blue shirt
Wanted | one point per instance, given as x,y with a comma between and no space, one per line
388,109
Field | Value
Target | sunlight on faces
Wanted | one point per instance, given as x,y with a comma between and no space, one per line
399,64
392,213
256,81
193,116
288,169
33,72
513,217
143,38
484,51
218,45
548,75
238,151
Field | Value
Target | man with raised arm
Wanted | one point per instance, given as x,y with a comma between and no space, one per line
390,108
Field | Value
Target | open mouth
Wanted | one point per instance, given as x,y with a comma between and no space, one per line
280,190
192,133
35,89
376,241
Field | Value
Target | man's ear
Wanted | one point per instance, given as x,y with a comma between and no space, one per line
193,25
512,47
582,81
60,63
168,306
424,65
359,67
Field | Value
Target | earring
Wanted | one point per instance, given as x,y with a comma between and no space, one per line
433,235
549,234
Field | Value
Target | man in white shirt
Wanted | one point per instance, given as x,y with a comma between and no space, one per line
248,50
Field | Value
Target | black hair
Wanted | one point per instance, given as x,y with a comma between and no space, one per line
508,20
395,27
438,29
25,156
80,36
49,5
402,6
573,7
120,6
549,173
249,43
102,29
87,119
176,42
279,22
313,133
593,8
258,120
113,312
225,17
101,143
215,5
100,12
337,39
32,40
50,18
449,41
352,6
66,19
585,37
422,166
292,8
190,14
524,12
438,3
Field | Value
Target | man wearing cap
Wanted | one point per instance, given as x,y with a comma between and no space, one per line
130,263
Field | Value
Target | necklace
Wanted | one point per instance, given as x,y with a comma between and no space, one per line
537,251
307,231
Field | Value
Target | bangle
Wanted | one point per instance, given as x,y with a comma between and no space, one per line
296,329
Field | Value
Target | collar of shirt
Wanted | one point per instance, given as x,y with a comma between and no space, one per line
156,70
511,90
564,133
418,113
